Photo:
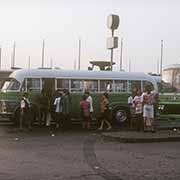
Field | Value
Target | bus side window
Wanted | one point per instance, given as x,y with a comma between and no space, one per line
23,86
33,85
120,86
147,83
134,86
76,85
91,85
106,85
62,84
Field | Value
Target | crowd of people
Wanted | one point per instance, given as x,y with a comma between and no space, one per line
58,108
143,106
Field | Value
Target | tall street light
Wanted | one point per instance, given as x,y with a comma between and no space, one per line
112,42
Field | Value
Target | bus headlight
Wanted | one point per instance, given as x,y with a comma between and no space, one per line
3,107
161,107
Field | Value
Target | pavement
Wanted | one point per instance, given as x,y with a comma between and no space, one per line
143,137
50,154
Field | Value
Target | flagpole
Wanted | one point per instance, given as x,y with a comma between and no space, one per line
13,55
43,47
120,68
79,55
161,62
0,55
29,62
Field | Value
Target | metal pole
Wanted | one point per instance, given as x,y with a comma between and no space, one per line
51,63
74,64
112,53
121,54
13,55
79,55
0,56
43,47
29,62
161,62
129,65
158,66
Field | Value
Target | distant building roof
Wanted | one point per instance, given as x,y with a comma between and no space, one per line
172,66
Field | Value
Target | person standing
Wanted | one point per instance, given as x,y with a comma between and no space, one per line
137,101
90,100
85,111
66,101
104,112
58,109
148,109
25,112
43,106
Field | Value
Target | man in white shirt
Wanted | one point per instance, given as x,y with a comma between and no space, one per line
25,111
90,100
58,109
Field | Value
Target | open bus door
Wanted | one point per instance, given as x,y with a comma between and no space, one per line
48,86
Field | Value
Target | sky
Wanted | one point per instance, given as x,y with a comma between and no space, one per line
143,24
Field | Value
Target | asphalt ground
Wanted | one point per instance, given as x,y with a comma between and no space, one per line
49,154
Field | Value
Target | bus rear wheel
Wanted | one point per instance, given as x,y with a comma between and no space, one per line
120,116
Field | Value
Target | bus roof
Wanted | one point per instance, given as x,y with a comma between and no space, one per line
5,73
75,74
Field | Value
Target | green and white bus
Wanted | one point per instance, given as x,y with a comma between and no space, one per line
119,85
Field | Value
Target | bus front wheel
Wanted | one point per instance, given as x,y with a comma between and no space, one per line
120,116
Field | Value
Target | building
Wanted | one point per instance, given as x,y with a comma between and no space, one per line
171,75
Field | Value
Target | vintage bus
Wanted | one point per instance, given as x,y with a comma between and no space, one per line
118,84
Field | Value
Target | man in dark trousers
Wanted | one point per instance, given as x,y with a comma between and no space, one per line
66,101
43,106
25,112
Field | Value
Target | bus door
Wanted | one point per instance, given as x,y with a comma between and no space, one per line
48,86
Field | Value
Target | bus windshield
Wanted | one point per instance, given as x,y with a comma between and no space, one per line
5,84
11,84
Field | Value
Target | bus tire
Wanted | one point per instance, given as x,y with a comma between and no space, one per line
120,115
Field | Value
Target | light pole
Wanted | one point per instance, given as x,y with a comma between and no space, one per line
112,42
43,47
79,54
0,56
29,62
161,62
13,55
121,55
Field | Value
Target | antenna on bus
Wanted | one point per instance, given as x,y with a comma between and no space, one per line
43,47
